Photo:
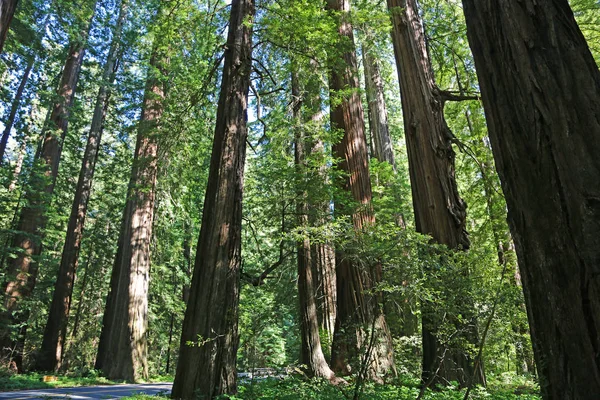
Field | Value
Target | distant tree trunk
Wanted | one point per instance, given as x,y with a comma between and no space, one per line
541,94
14,108
7,11
50,355
439,210
380,132
311,352
18,168
357,311
122,351
322,253
207,366
22,270
383,151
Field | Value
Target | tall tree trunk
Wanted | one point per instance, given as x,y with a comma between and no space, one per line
7,11
207,367
383,151
22,270
122,351
378,118
439,210
55,332
311,352
359,314
14,108
541,94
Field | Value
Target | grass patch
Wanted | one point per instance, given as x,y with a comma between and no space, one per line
35,381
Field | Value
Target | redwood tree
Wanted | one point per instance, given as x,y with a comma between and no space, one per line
541,94
311,351
21,271
123,348
7,11
50,355
438,207
209,340
359,314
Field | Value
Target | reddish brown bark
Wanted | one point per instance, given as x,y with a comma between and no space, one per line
209,340
311,352
541,94
359,314
123,348
55,332
439,210
7,11
323,261
22,270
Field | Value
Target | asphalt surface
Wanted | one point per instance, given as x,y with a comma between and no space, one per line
90,392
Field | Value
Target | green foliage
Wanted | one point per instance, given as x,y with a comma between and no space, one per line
297,388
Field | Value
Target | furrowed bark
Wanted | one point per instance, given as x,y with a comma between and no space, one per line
439,210
123,348
541,94
209,340
357,310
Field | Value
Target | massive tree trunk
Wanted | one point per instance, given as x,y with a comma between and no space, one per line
439,210
209,340
22,270
360,323
50,355
311,352
541,93
123,348
7,11
14,108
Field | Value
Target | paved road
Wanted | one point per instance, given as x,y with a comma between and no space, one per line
89,392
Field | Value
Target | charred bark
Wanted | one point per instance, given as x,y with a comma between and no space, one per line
123,347
541,94
209,340
439,210
55,332
359,313
22,270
